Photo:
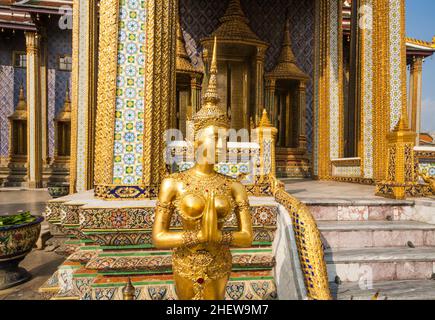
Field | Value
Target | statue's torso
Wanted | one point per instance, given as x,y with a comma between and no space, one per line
211,261
192,196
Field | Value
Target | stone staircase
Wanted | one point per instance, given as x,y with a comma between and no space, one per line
98,272
376,247
105,275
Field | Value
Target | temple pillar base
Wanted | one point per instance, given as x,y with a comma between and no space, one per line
292,163
16,174
56,174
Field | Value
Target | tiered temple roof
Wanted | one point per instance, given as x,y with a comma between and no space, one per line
17,14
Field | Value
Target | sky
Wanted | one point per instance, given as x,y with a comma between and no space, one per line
420,24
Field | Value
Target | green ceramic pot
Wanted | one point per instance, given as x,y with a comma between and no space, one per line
15,243
58,191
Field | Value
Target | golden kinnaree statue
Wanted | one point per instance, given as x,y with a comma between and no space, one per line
205,200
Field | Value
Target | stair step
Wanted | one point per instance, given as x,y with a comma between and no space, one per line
380,255
242,286
368,234
360,210
157,262
373,225
381,264
388,290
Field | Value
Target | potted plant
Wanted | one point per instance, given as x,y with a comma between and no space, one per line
18,236
58,190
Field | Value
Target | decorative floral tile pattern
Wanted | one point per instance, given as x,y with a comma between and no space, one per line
368,97
129,118
427,168
6,106
395,62
51,86
334,102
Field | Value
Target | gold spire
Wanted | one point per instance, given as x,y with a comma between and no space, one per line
67,103
287,67
234,12
211,95
65,114
21,108
22,105
183,63
403,124
234,26
129,291
287,54
265,122
211,113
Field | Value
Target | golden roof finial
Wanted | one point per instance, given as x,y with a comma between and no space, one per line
65,113
265,122
211,113
403,124
234,26
20,112
67,103
22,105
287,54
183,63
287,67
129,291
234,10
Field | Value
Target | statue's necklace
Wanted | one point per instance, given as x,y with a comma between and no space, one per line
204,183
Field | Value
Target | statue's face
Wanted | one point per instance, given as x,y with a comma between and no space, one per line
209,144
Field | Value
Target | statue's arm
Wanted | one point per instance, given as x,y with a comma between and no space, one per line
163,238
244,235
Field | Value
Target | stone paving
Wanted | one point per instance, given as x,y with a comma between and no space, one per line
14,200
41,265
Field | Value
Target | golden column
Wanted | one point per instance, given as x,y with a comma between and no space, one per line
160,90
270,100
399,172
302,135
131,165
415,94
44,94
84,88
383,13
265,135
34,125
328,87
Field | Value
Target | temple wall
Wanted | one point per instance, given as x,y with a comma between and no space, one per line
10,80
199,18
59,43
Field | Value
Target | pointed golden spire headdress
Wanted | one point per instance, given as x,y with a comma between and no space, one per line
211,114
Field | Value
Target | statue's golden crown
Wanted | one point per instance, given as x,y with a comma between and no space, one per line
211,114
